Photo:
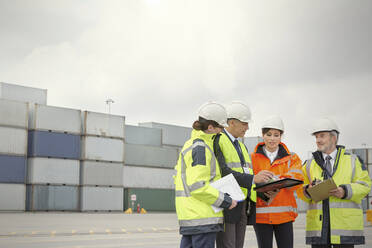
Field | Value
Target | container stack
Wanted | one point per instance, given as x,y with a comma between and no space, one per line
13,154
151,152
101,169
22,93
53,163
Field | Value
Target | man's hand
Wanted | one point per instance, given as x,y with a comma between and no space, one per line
271,195
233,204
339,192
263,176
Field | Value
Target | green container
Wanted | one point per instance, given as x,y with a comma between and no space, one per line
150,199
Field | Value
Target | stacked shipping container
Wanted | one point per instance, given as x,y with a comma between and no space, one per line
101,171
151,152
53,163
13,154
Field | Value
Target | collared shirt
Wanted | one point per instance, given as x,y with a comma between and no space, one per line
232,138
271,155
333,158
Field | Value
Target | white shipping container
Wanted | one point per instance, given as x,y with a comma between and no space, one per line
102,149
53,171
13,141
23,93
13,113
150,156
101,198
101,173
171,134
144,177
369,156
13,197
55,119
103,125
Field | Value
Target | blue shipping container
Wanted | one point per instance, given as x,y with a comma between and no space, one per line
12,169
55,145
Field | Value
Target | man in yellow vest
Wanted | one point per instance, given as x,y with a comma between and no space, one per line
338,220
234,158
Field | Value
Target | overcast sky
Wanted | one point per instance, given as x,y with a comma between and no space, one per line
159,60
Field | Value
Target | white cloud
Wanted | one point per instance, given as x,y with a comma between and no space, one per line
159,60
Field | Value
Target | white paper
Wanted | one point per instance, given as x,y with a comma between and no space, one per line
229,185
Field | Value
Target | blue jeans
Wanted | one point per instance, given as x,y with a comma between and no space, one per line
204,240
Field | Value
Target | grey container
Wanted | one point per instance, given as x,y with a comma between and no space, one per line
101,198
150,156
101,173
55,145
13,114
23,93
369,156
171,134
362,153
105,125
12,169
57,119
143,135
102,149
13,141
53,171
13,197
251,142
52,198
144,177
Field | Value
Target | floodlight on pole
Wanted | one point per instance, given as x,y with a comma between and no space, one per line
109,101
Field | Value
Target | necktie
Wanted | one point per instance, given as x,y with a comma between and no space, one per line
328,165
237,148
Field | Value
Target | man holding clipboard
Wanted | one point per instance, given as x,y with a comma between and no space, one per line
335,215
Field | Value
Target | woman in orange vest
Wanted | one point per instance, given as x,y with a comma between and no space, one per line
275,211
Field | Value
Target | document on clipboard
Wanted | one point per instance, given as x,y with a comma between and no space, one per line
320,191
277,184
229,185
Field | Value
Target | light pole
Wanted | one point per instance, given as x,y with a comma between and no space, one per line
109,101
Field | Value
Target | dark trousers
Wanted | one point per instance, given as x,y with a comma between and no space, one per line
330,246
283,235
204,240
233,236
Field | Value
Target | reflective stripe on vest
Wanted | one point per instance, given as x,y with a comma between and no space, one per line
196,185
338,232
200,222
269,210
314,206
290,159
308,165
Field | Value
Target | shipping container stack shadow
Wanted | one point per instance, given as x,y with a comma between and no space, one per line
53,159
13,154
101,166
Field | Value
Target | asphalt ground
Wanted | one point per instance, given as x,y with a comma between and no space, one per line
111,230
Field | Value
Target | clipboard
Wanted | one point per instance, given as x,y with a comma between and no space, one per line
320,191
229,185
278,184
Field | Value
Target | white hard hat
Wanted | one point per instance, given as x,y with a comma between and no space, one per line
323,125
214,112
238,110
274,122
